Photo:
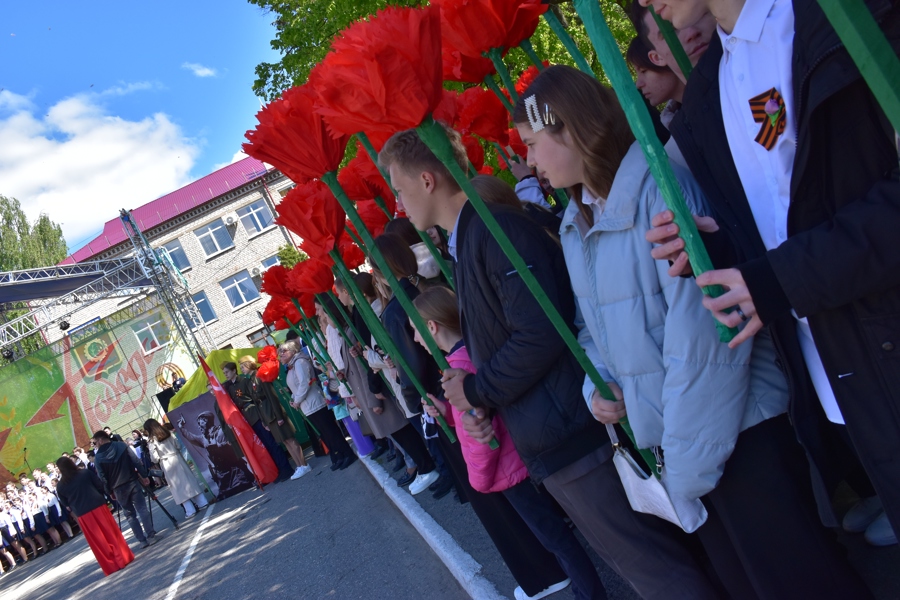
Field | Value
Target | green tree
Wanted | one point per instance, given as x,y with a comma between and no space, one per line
305,28
289,256
25,245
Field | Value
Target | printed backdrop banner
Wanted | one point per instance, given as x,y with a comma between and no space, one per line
198,423
102,374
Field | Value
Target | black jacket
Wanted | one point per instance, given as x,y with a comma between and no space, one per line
117,465
83,493
525,370
840,266
421,365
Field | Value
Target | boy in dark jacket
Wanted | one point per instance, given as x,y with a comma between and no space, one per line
527,374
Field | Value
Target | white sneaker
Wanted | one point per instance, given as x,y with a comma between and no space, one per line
521,595
880,532
189,510
422,482
862,514
301,471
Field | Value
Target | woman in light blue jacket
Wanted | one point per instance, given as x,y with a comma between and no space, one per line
688,397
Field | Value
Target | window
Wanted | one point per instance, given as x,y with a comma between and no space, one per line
214,237
176,253
151,333
204,308
270,262
261,338
256,217
240,289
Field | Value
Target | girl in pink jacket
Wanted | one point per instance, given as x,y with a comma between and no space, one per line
502,470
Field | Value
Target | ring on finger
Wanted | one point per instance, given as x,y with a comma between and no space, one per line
741,314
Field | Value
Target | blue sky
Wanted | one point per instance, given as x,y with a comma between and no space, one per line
107,105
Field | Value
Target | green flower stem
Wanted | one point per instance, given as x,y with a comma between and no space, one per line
492,85
502,155
561,197
436,139
681,57
442,264
355,239
532,55
870,50
567,41
617,71
311,337
497,58
330,179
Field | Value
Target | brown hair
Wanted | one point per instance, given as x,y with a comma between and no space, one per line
403,227
67,469
156,430
593,117
636,13
494,189
399,256
365,284
637,55
228,365
407,150
439,304
247,359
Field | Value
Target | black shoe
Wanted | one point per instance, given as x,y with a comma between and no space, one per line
336,464
445,487
407,479
439,483
390,456
398,465
347,462
379,450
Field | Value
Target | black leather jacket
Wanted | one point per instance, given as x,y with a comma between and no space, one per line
525,370
117,465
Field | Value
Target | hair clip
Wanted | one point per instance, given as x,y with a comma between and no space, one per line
549,117
533,113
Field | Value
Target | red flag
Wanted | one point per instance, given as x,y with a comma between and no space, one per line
261,463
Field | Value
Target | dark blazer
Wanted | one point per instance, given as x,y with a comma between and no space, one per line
83,493
840,266
525,370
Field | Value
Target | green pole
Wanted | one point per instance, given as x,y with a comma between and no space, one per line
617,71
442,264
567,41
503,72
343,333
492,85
532,55
436,139
681,57
870,50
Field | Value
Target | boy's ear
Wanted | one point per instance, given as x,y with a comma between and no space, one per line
656,59
429,181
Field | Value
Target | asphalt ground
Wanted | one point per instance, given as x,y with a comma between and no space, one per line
331,535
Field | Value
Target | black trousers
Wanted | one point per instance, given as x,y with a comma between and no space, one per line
763,534
331,434
538,510
534,567
278,455
412,443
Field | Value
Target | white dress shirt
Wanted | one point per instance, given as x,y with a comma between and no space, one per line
756,57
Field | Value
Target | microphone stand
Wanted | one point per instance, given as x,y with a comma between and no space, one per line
25,455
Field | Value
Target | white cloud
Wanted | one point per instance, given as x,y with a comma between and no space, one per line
239,155
80,165
199,70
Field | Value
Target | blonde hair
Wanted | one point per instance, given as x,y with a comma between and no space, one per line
439,304
247,359
407,150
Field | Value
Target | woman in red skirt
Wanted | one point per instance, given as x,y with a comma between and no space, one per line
81,491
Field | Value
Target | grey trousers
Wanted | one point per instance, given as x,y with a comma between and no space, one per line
131,497
645,550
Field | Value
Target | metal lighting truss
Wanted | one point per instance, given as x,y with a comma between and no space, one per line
172,289
120,278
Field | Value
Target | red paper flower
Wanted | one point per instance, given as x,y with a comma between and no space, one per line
476,26
527,76
362,180
294,139
446,111
474,150
310,277
274,281
280,307
382,75
456,66
372,217
268,353
516,143
350,252
268,371
311,211
482,113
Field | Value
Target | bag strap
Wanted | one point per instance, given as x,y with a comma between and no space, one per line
613,438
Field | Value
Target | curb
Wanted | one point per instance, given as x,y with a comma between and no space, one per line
460,563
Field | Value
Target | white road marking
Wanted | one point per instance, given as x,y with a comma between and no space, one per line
173,589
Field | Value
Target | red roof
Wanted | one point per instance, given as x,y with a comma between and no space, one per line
171,205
